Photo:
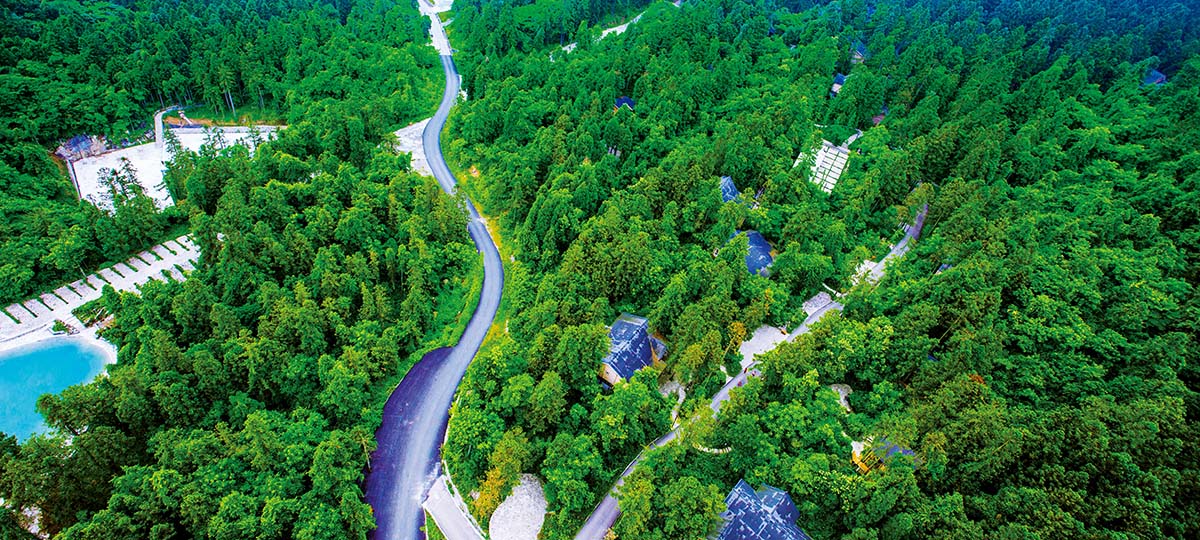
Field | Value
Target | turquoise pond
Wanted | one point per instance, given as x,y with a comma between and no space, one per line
45,367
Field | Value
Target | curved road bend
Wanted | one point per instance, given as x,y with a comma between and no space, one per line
607,512
405,463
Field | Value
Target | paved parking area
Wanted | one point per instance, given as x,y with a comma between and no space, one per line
40,312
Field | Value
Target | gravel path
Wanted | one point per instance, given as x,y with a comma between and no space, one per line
618,29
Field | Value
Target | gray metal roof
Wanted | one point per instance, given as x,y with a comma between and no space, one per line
1155,77
766,514
758,257
729,190
631,345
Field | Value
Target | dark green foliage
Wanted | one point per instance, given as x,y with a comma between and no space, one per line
1062,196
1060,402
244,401
102,68
493,27
611,211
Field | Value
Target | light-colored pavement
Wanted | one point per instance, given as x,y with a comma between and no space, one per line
437,31
452,520
872,272
38,314
607,512
402,437
829,162
149,161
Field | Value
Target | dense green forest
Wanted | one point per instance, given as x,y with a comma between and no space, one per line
244,400
493,28
1036,349
352,69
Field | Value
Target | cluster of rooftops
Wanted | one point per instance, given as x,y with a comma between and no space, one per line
767,513
758,257
633,347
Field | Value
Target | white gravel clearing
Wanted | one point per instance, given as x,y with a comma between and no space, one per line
408,139
147,161
843,390
765,338
520,516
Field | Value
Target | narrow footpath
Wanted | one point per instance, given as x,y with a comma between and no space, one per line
406,463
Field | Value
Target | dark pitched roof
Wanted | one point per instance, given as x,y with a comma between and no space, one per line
758,258
78,143
839,80
779,502
890,449
767,514
625,101
1155,77
631,345
729,190
878,119
860,49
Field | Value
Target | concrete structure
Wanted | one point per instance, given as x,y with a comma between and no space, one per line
606,512
169,260
451,518
828,166
829,163
871,272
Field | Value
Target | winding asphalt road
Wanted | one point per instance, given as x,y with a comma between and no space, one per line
405,463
